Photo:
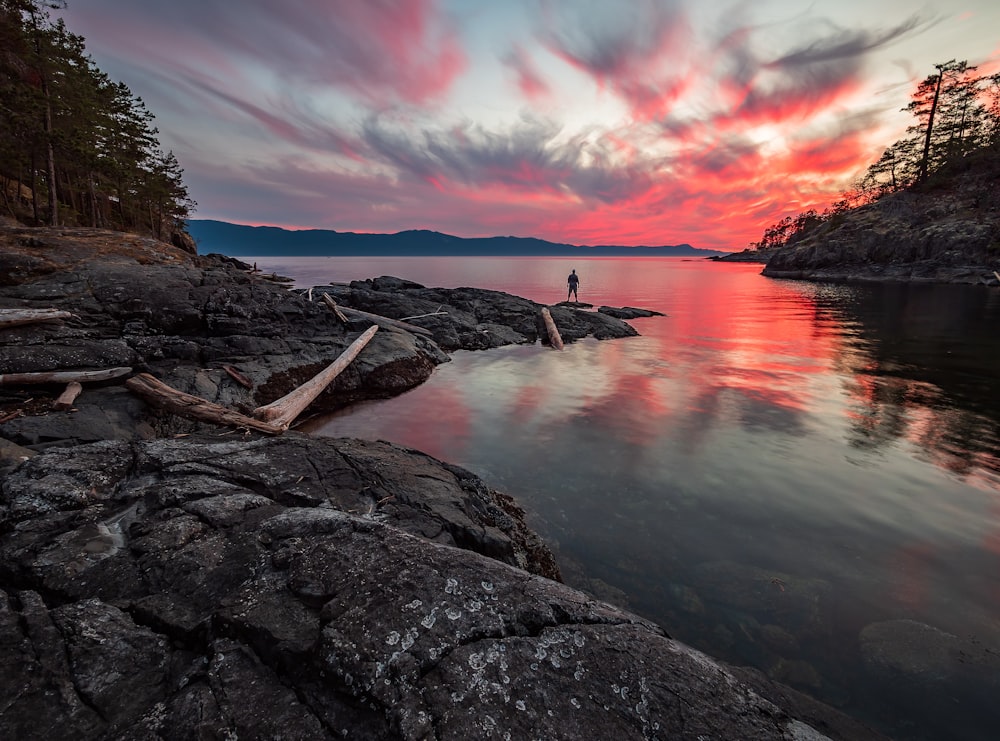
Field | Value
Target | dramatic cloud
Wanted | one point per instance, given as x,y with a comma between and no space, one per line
527,158
529,80
651,122
639,54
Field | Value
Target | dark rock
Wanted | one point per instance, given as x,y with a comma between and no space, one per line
318,589
947,231
184,241
948,676
476,319
575,324
910,651
183,323
627,312
216,587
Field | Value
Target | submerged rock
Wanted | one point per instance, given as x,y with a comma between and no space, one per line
627,312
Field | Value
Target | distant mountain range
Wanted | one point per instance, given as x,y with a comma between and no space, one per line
238,240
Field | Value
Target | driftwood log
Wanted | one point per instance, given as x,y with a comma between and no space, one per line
67,397
282,413
22,379
17,317
241,379
555,339
421,316
335,309
384,321
177,402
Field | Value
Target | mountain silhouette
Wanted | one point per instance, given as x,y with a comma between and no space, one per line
238,240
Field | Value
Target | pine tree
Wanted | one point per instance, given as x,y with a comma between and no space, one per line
68,131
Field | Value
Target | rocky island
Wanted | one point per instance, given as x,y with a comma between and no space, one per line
165,578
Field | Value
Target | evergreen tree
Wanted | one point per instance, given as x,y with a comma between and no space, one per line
69,133
958,115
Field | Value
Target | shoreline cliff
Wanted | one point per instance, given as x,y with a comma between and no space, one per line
946,230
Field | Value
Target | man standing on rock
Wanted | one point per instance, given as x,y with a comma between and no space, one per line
573,281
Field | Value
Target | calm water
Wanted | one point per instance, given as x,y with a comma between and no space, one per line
772,472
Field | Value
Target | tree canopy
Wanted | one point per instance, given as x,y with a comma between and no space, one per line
77,148
957,116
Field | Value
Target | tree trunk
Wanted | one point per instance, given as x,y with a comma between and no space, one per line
284,411
50,158
25,379
67,397
93,199
384,321
555,339
924,162
34,189
16,317
165,397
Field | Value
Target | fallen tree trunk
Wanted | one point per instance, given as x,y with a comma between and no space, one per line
17,317
384,321
335,309
177,402
283,412
21,379
550,326
67,397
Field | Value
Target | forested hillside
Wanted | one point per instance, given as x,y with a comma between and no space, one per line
935,191
77,148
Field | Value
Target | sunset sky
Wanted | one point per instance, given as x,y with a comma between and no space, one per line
590,122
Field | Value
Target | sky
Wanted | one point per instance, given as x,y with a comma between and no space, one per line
629,122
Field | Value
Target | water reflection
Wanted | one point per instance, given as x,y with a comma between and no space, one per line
794,476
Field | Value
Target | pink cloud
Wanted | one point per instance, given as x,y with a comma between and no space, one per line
397,50
638,55
529,81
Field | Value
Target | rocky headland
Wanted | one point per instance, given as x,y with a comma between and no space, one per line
947,230
166,578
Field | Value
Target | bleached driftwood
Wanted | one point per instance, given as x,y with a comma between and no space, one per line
17,317
384,321
21,379
334,308
421,316
166,397
550,326
282,413
67,397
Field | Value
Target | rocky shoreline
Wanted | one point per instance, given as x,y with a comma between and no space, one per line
946,230
160,577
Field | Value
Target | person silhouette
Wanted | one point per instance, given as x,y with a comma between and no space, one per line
573,281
